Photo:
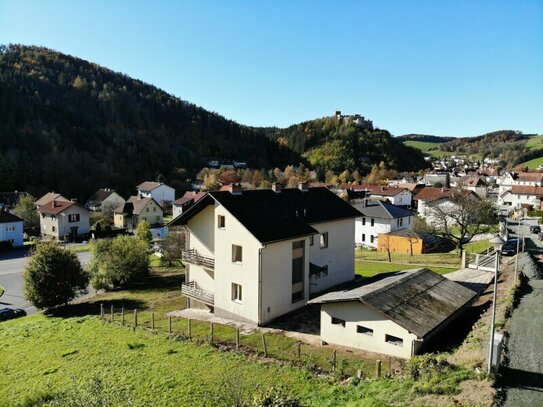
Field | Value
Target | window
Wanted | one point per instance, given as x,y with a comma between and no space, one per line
393,340
363,330
298,267
236,292
363,221
324,240
363,237
10,228
311,240
372,238
53,229
337,321
74,217
157,218
221,222
400,222
236,254
154,208
146,209
372,222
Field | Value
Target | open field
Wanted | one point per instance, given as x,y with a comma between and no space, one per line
424,146
533,164
535,142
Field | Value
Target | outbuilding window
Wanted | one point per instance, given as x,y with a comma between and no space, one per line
338,321
364,330
236,292
221,222
393,340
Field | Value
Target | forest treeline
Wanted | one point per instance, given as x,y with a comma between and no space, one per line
72,126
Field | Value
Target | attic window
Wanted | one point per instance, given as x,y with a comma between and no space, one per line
221,222
363,330
338,321
393,340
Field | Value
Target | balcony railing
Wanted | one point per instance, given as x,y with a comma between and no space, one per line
192,289
192,256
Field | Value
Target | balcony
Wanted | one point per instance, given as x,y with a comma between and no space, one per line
192,256
191,289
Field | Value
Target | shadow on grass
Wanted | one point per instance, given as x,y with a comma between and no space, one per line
93,307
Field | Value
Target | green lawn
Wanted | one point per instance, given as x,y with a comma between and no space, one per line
372,268
533,164
535,142
424,146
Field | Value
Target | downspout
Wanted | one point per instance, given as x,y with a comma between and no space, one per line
260,286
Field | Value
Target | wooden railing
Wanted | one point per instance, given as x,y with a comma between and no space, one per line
192,256
192,289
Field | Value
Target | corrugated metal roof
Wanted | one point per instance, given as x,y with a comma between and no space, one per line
418,300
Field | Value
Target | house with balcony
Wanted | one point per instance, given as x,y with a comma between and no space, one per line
254,255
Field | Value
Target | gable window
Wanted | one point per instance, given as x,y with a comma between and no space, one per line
400,222
74,217
154,208
364,330
393,340
237,255
338,321
146,209
324,240
363,221
372,222
236,292
298,266
221,222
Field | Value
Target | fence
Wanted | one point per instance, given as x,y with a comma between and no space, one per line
340,363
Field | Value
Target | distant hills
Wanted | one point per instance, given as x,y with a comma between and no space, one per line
73,126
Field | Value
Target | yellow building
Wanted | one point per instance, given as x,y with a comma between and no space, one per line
401,241
136,210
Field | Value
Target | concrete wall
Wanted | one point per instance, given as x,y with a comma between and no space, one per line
338,256
355,313
12,232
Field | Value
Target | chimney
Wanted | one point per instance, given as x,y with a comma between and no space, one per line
235,188
276,187
303,186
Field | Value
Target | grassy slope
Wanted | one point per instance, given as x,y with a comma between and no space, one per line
424,146
534,143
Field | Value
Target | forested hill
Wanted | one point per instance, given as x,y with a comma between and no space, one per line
336,144
73,126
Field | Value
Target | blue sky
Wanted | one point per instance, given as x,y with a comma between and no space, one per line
458,68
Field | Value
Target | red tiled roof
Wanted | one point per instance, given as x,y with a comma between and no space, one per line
148,186
432,193
530,176
376,189
526,190
189,196
48,197
55,207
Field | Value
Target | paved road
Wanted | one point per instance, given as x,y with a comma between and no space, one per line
522,378
12,266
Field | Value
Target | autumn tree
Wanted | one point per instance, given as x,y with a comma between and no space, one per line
26,210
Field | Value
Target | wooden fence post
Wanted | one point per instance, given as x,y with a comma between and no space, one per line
122,316
101,310
390,366
153,320
190,328
136,318
169,324
334,360
264,345
299,350
211,328
112,313
378,369
237,338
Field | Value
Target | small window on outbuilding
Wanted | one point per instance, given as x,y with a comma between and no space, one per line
364,330
393,340
221,222
338,321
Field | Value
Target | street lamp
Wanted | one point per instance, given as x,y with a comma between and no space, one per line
498,243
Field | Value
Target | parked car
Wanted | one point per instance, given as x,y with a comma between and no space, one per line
535,229
8,313
510,247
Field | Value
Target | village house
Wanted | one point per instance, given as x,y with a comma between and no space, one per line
395,195
475,184
378,218
509,179
396,315
11,229
520,196
104,200
63,220
258,254
161,193
48,197
186,201
430,197
137,209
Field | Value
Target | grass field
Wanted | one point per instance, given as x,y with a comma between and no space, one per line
533,164
424,146
535,142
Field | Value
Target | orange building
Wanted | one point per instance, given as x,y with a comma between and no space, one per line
401,241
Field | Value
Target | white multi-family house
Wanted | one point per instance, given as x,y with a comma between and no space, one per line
523,196
523,179
186,201
255,255
379,217
396,195
161,193
11,228
430,198
60,219
104,200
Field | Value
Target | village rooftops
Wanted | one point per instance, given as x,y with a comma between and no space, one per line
134,205
530,177
376,189
101,195
148,186
383,210
418,300
526,190
274,216
189,196
48,197
55,207
6,217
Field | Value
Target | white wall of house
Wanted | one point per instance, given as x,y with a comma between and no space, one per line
425,209
176,211
404,198
12,232
355,314
480,190
59,226
364,229
113,201
518,199
152,213
338,256
161,193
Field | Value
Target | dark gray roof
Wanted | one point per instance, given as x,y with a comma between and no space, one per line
383,210
273,216
100,195
6,217
418,300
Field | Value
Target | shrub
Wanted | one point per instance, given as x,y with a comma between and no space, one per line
118,262
143,231
53,276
